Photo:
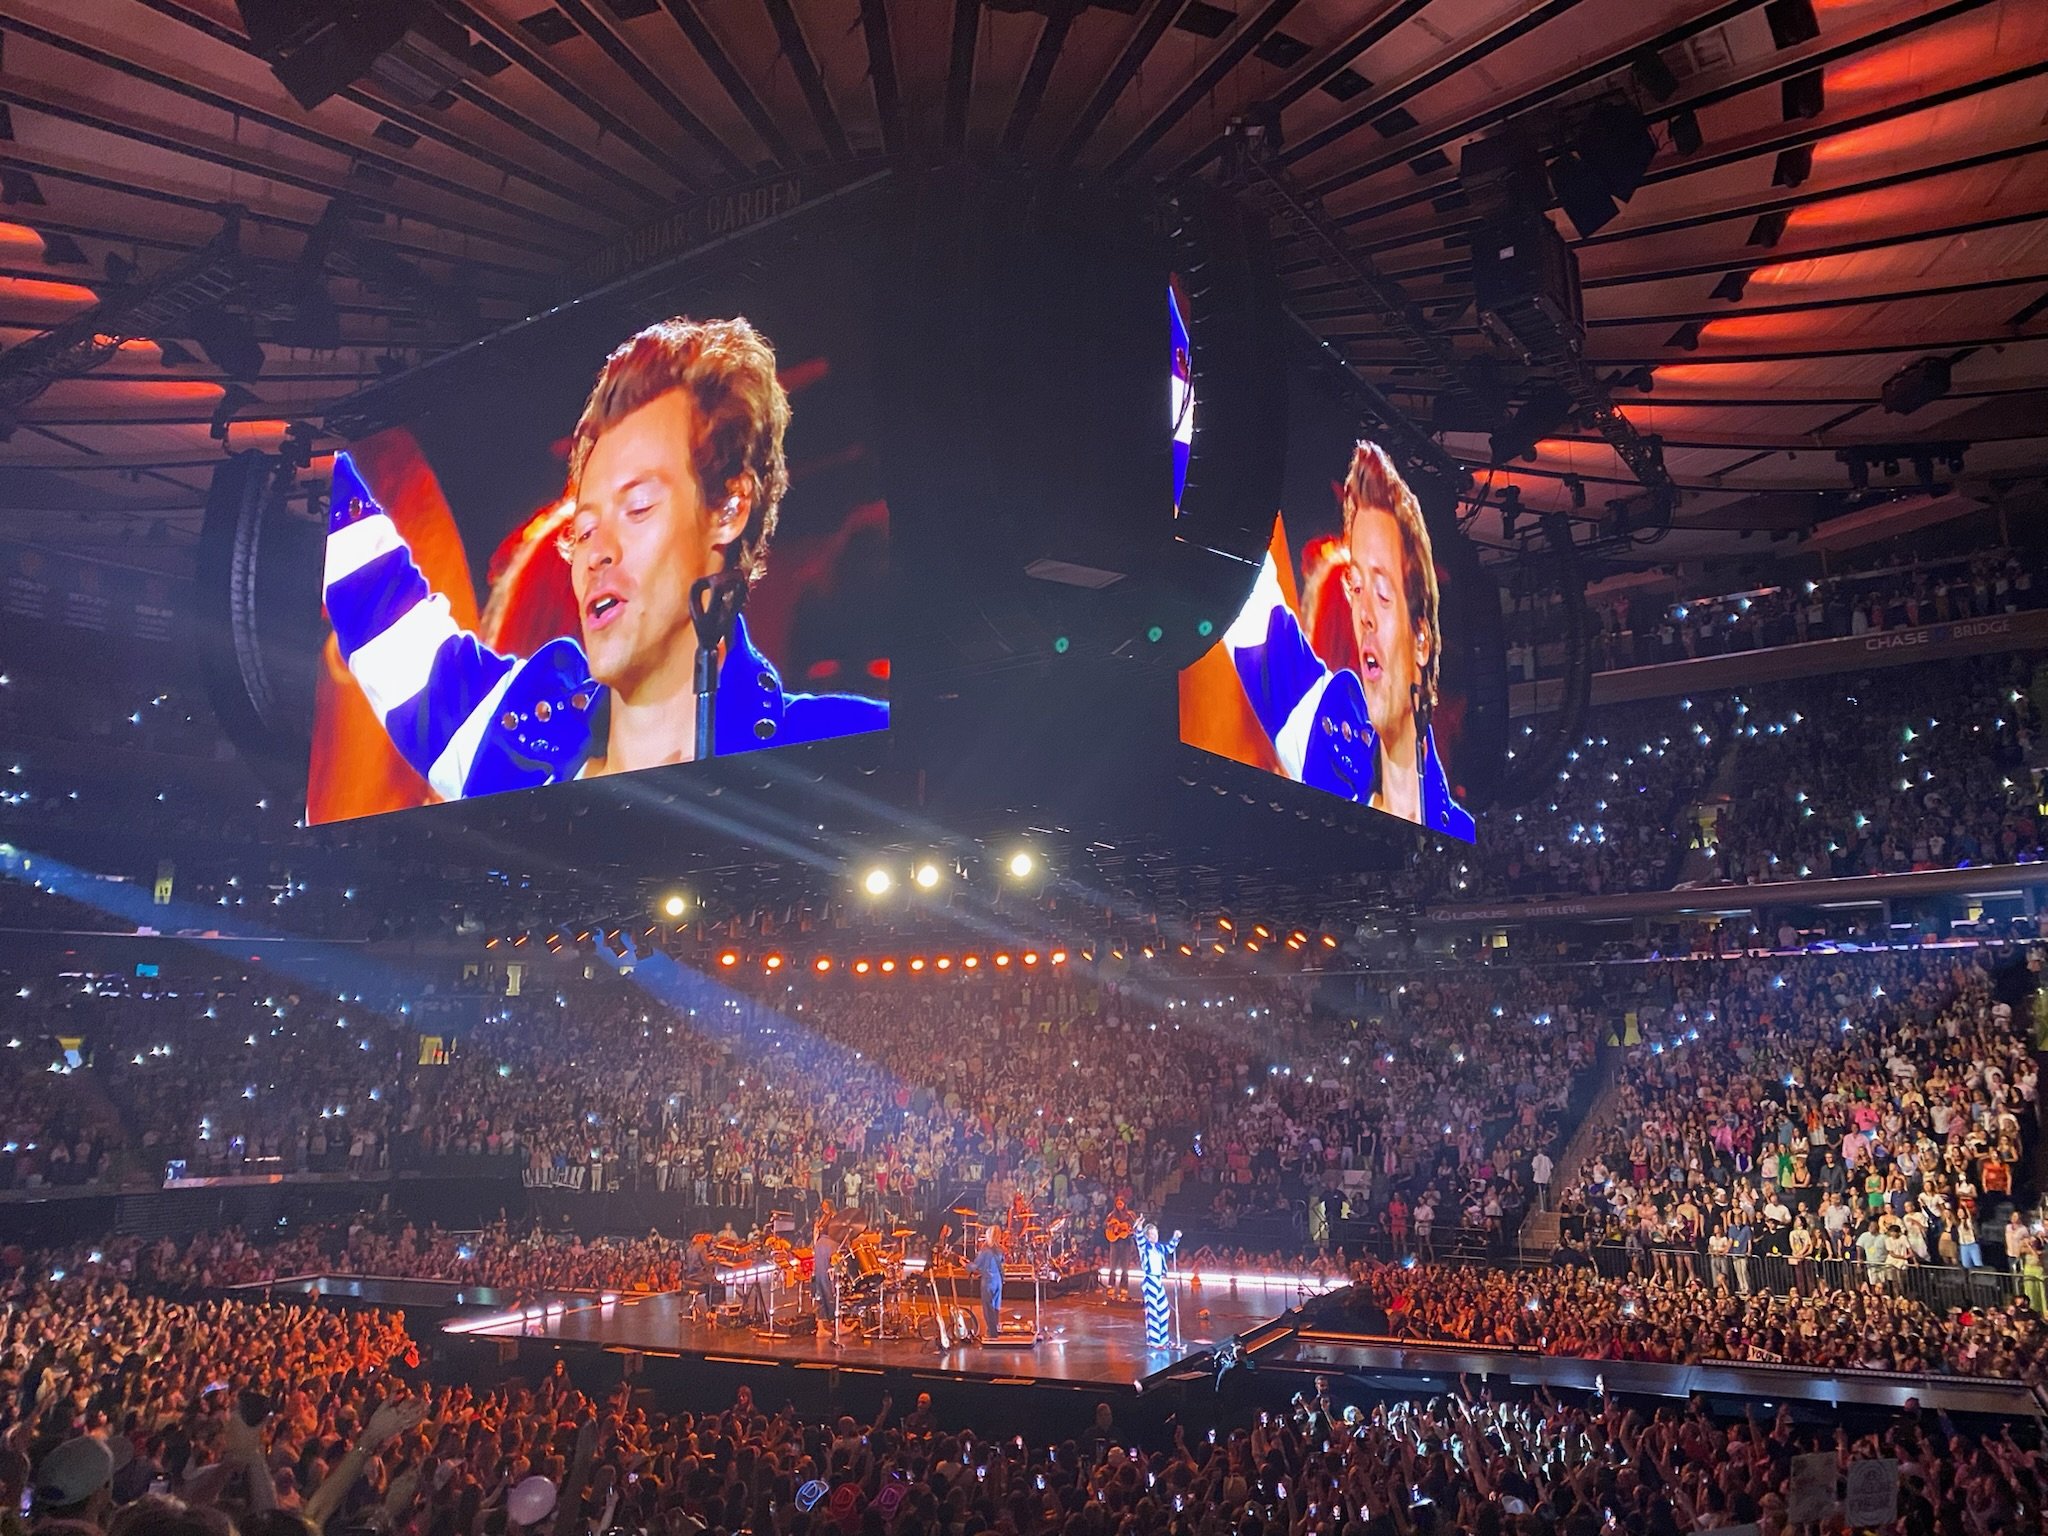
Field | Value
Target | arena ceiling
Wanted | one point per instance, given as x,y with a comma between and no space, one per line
1857,199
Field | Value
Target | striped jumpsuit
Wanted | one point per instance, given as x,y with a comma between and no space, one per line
1152,1257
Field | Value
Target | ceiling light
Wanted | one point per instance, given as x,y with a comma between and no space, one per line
878,882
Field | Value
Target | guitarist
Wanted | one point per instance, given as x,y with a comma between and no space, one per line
1117,1228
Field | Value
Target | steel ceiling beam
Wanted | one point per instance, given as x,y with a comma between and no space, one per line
1152,23
654,87
1381,24
371,154
1249,34
960,72
429,127
1045,57
246,161
874,22
796,48
571,94
731,79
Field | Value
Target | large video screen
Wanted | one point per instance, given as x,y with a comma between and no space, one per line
1331,673
623,537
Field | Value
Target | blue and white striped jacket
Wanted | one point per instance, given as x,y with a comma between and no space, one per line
1316,717
474,722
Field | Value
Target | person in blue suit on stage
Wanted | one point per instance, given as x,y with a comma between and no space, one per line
676,474
988,1264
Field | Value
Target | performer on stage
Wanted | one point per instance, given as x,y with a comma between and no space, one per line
1152,1257
1117,1228
989,1265
824,1285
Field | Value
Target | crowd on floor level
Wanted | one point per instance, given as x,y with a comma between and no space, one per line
134,1416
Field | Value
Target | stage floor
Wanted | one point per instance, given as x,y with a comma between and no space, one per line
1084,1340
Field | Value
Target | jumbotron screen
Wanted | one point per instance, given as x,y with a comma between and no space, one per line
1331,673
522,574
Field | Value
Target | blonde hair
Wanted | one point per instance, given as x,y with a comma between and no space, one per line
727,368
1372,481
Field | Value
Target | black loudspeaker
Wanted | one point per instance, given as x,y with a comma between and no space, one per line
1226,282
1525,284
259,629
1350,1310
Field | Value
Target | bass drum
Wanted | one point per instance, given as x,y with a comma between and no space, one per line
860,1268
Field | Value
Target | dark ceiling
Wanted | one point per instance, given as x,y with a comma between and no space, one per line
1862,197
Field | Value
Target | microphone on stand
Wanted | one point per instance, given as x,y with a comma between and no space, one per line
715,601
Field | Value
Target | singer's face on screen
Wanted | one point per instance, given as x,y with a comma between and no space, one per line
1391,651
641,534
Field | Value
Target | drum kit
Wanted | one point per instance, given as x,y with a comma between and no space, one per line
884,1290
889,1283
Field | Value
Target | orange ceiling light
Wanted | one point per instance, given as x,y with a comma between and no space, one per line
1895,211
46,292
822,964
1002,961
199,391
861,967
773,962
917,963
1948,49
888,966
969,962
1715,375
1807,272
730,958
1872,142
1059,957
1795,326
942,964
262,432
1031,957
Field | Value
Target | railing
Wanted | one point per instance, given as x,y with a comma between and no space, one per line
1937,1285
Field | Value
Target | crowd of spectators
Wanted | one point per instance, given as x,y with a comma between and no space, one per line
1436,1090
895,1097
1609,820
1927,767
1659,622
142,1417
1931,766
1849,1118
1572,1310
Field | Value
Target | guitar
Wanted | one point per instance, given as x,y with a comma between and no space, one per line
1117,1228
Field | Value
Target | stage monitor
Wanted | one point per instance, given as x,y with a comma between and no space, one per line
1333,672
535,553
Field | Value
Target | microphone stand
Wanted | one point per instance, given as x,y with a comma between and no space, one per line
1173,1295
715,602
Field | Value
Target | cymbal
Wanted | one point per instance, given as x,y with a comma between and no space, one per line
904,1232
965,1210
